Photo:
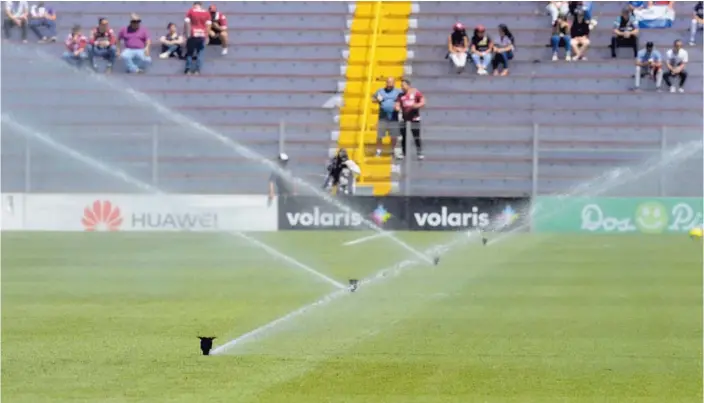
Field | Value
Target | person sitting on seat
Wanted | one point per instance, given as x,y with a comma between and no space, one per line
171,43
697,22
503,50
102,44
649,62
41,17
218,28
557,9
676,60
580,36
458,46
482,48
625,33
76,44
560,37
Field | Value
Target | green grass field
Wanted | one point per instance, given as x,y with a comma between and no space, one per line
114,318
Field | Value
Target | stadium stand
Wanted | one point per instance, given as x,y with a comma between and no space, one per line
287,60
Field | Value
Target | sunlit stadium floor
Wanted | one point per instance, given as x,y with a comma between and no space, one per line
114,318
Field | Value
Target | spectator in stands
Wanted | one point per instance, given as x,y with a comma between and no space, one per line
137,42
218,28
388,115
557,9
560,37
197,24
278,181
458,47
410,102
102,44
482,49
76,45
625,33
676,60
503,50
171,43
43,18
586,8
580,36
697,21
16,15
649,62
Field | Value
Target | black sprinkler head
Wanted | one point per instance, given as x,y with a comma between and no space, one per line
353,285
484,241
436,260
206,344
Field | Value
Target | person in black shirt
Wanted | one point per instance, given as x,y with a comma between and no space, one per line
625,33
335,168
482,48
278,183
697,21
580,36
457,47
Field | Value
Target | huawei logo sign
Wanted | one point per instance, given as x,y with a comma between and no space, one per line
102,216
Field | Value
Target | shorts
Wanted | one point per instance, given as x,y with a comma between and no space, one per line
391,126
215,40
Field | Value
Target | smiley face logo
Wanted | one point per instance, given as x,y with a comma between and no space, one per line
651,218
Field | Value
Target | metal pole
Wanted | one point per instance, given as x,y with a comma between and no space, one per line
536,144
282,136
155,155
407,168
27,165
663,149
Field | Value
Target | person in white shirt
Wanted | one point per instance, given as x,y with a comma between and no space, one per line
676,60
16,13
40,18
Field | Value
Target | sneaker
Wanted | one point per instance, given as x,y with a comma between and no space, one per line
673,90
187,72
691,43
681,90
53,39
400,157
568,58
164,55
421,157
584,58
554,57
224,51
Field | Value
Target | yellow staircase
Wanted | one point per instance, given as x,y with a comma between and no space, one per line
378,49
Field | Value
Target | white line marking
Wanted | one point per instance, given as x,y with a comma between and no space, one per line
117,173
367,238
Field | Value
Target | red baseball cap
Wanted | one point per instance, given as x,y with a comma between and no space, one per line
458,26
481,28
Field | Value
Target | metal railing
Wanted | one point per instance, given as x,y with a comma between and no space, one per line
371,62
525,160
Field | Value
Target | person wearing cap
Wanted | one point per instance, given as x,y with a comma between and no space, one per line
136,45
218,28
458,46
649,62
625,33
482,48
279,184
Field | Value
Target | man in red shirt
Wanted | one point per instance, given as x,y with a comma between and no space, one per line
76,44
218,31
409,102
197,26
102,44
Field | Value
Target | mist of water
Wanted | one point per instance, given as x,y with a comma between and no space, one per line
125,177
118,87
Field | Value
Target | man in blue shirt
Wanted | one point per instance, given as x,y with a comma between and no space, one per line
649,61
388,115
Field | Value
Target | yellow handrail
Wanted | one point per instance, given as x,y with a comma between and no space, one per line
371,59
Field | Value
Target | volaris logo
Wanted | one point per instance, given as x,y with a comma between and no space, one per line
102,216
651,217
318,218
380,215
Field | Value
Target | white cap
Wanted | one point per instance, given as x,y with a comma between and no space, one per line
283,157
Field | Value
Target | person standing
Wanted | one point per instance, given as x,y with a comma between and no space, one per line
137,42
388,116
197,27
279,184
410,102
676,60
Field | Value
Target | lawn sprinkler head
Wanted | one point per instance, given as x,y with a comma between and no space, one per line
484,240
353,285
206,343
436,260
